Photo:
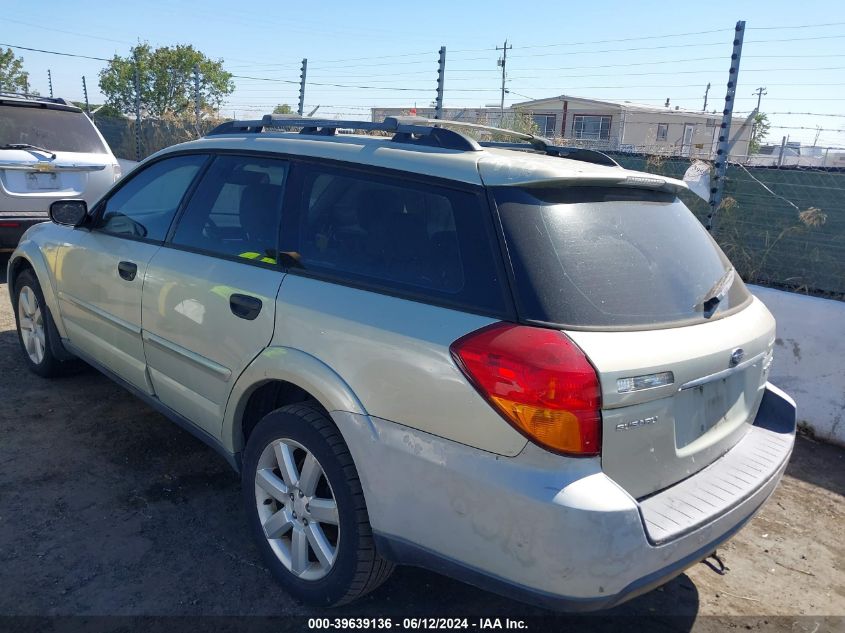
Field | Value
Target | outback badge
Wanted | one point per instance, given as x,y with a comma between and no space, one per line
635,424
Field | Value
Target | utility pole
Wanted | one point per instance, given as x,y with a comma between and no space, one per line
441,76
503,60
85,92
717,187
137,109
50,82
197,97
302,74
706,92
760,92
782,151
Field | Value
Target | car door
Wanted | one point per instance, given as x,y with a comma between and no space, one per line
100,271
209,298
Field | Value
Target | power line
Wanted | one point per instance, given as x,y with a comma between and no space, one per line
673,46
804,114
793,26
654,37
76,33
624,39
316,83
583,43
41,50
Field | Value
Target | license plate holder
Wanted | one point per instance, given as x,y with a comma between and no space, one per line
42,181
704,408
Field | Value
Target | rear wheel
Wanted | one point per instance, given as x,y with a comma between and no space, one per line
307,510
35,330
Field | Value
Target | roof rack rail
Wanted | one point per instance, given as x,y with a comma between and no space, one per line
417,131
411,130
32,97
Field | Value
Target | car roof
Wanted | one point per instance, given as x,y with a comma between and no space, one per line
36,101
487,166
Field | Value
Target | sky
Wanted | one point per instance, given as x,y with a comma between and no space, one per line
641,51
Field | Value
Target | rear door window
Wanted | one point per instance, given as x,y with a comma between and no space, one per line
593,257
401,236
235,209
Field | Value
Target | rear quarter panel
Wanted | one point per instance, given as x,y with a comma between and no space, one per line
394,356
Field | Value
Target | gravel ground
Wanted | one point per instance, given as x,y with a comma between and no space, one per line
107,508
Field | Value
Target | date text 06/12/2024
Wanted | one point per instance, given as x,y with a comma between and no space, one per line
409,624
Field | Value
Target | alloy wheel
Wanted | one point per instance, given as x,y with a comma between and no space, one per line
297,509
31,321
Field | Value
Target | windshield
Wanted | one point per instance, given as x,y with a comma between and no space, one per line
613,257
54,130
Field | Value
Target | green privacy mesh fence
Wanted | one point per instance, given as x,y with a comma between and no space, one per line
767,239
119,132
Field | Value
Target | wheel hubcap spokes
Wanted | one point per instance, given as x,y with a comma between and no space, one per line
31,323
297,509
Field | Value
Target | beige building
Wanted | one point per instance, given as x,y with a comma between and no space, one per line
609,125
483,116
627,126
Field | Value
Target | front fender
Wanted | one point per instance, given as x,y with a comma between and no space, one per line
39,257
290,365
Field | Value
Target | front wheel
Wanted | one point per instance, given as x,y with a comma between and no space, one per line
35,329
304,501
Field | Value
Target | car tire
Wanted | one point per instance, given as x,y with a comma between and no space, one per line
290,508
36,331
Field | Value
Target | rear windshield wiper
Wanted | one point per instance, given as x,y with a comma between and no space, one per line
27,146
717,292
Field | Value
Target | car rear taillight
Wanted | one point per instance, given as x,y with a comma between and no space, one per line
539,381
9,225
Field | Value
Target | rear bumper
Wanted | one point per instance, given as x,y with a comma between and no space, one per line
14,224
547,530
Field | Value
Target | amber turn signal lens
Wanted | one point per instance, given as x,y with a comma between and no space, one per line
539,381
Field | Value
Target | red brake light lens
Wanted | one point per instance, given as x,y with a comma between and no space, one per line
539,381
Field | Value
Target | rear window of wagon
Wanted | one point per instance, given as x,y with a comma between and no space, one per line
612,257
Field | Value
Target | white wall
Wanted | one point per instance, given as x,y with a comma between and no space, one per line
809,359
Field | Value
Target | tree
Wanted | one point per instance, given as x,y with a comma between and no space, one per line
167,81
759,131
283,108
522,121
13,78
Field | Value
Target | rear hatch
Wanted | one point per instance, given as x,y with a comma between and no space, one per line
680,346
49,151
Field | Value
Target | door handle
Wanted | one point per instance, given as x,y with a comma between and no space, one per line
127,270
244,306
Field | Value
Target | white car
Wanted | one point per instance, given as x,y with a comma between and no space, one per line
49,150
517,364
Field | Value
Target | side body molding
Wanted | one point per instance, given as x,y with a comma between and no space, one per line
293,366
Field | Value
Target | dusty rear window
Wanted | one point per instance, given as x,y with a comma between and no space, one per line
50,128
613,257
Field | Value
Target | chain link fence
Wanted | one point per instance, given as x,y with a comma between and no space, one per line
782,227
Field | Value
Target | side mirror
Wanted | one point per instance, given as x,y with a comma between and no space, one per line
69,212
